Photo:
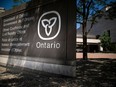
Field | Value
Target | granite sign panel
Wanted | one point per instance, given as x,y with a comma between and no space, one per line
40,32
37,33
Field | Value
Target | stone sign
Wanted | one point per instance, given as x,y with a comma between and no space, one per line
44,34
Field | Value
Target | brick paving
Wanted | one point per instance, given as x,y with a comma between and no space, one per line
98,55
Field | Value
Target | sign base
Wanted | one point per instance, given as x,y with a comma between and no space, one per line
67,70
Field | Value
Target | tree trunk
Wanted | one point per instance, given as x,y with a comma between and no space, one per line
85,57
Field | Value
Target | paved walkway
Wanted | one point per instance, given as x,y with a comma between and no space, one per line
98,55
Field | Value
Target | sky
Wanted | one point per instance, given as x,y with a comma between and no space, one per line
8,4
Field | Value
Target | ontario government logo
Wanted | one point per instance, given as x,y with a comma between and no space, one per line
49,26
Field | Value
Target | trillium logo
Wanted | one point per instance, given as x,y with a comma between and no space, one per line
49,25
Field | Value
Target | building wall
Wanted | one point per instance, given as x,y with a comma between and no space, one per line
104,25
100,27
2,10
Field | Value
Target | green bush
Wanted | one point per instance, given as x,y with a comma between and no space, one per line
105,41
113,48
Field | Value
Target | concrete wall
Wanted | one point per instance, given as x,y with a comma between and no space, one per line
4,59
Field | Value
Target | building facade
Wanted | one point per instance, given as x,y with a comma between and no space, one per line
93,41
2,9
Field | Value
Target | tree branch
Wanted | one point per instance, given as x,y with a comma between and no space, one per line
93,21
79,12
79,22
90,28
88,9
